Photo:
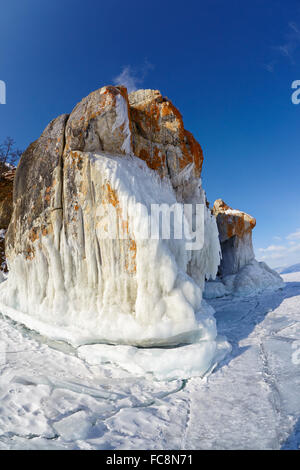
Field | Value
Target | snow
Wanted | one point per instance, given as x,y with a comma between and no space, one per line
69,293
215,289
51,398
197,359
254,278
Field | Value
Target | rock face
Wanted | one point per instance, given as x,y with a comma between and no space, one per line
100,123
159,137
239,272
6,197
91,173
235,232
6,209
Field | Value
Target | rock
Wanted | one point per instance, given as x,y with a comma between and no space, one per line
37,192
239,273
100,123
235,232
6,197
6,209
232,222
91,171
160,139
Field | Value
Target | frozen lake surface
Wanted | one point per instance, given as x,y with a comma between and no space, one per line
50,398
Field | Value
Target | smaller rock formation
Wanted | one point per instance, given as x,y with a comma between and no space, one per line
235,232
239,272
7,176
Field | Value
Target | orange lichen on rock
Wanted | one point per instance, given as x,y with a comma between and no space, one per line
130,265
232,222
159,137
156,161
33,235
195,150
110,196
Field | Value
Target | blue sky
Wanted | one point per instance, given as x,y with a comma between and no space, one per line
228,65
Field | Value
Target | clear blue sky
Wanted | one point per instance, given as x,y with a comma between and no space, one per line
228,65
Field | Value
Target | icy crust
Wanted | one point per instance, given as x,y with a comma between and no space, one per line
251,280
77,289
193,360
197,359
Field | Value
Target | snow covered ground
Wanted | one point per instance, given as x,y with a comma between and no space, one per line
50,398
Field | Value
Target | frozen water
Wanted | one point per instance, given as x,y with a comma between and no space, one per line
252,279
87,289
51,398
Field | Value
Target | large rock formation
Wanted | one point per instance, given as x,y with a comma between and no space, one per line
239,272
96,172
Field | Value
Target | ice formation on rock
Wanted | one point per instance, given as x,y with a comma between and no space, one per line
68,281
239,272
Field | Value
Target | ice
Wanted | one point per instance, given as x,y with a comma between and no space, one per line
77,426
256,277
215,289
51,398
193,360
252,279
69,292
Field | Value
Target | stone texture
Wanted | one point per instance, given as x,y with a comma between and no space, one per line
37,191
60,268
47,187
235,232
232,222
6,197
160,139
6,208
92,125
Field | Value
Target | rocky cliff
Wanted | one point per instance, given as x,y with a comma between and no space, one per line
97,171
